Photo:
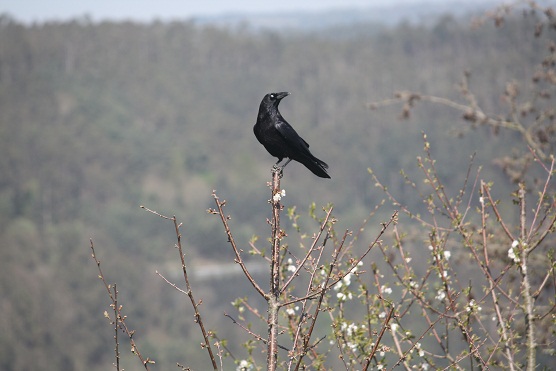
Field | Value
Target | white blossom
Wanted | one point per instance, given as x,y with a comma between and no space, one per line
291,266
386,289
341,296
347,279
349,329
244,365
278,196
440,295
420,351
512,255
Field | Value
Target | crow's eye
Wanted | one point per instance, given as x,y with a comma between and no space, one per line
272,96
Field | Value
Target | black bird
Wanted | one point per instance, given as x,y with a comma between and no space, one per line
281,140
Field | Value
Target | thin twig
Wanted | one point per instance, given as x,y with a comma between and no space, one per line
120,320
189,292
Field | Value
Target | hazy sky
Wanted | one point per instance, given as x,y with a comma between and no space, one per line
145,10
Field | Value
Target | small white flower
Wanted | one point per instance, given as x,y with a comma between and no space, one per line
290,312
447,255
512,255
347,279
291,266
444,274
386,290
382,315
360,264
351,329
278,196
431,248
394,327
413,284
338,286
482,200
408,260
515,243
244,365
425,366
469,306
341,296
440,295
379,367
352,346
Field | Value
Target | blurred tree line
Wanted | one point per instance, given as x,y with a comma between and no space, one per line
97,118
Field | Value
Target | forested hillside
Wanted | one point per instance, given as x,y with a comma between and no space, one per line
97,119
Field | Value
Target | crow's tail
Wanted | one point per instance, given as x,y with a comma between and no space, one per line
317,166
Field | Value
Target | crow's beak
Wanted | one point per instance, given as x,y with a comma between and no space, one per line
282,95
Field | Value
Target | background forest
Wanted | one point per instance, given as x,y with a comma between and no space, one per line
98,118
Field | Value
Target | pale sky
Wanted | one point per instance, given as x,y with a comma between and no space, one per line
146,10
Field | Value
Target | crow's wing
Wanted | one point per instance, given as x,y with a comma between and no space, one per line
291,136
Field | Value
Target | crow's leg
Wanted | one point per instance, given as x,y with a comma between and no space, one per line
280,169
283,166
275,167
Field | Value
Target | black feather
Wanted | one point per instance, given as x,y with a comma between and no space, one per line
281,140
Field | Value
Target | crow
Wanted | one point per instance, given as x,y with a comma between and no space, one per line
281,140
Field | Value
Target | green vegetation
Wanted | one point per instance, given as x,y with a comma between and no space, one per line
97,119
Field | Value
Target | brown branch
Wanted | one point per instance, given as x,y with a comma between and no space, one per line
117,348
309,252
256,336
189,292
120,319
239,260
320,300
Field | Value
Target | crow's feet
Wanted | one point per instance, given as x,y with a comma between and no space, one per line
278,170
